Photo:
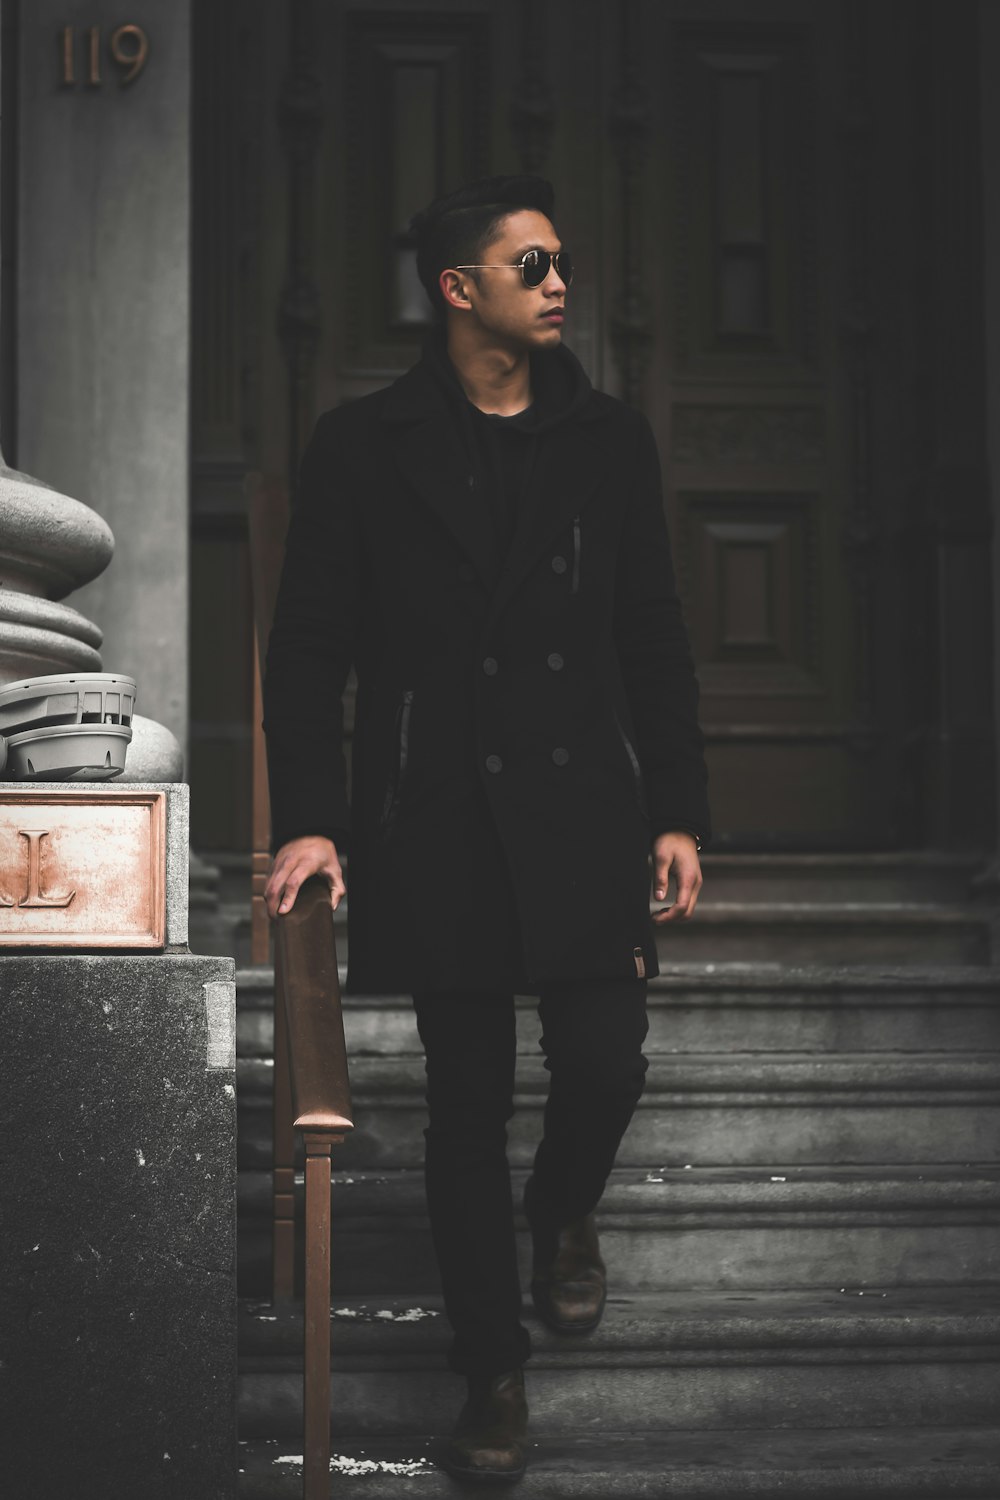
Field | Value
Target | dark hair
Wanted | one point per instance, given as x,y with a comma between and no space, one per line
457,229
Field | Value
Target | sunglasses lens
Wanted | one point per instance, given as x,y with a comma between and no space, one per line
535,267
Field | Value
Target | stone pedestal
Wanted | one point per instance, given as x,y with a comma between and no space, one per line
117,1154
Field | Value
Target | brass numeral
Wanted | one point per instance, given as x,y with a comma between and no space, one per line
133,58
94,55
66,53
128,49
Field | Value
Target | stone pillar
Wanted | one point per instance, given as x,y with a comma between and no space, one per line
103,293
989,106
117,1154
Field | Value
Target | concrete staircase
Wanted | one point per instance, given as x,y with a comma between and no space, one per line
801,1231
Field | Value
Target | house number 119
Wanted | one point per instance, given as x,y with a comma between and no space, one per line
128,47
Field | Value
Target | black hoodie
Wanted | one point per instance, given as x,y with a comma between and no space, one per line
502,449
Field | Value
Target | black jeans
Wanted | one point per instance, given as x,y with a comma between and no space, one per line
592,1036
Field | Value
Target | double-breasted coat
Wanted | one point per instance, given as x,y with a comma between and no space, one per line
524,727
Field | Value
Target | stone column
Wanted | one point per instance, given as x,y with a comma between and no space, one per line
102,294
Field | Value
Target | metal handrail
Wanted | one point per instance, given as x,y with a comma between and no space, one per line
313,1056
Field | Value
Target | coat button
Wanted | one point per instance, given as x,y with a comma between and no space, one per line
560,756
558,564
490,666
494,763
555,661
466,572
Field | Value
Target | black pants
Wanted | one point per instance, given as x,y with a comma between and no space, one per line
592,1036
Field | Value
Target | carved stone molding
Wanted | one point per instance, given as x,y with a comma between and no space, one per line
49,545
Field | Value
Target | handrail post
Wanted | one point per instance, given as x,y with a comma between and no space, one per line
283,1156
316,1365
310,1025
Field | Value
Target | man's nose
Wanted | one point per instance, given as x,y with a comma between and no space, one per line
553,284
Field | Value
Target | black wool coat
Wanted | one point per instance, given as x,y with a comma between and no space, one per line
524,726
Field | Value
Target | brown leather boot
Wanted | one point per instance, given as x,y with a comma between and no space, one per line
569,1278
488,1442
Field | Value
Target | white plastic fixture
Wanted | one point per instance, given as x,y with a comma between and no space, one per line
71,726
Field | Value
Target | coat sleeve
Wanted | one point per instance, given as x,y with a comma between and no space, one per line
654,654
310,652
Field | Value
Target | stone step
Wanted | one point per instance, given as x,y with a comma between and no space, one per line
721,1008
708,1110
676,1227
681,1360
875,875
866,1463
800,932
841,932
918,875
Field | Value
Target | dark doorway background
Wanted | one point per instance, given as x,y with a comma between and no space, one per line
775,210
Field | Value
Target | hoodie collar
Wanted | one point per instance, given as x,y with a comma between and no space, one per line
561,388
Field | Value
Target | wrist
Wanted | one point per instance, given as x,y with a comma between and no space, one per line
688,832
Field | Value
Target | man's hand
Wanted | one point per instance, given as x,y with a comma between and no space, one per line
294,863
677,853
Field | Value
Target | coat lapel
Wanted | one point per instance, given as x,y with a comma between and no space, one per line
568,470
431,458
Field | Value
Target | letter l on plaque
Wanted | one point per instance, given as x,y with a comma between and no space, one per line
35,896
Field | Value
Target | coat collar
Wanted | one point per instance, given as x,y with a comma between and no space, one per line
430,452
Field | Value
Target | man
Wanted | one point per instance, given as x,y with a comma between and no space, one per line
485,541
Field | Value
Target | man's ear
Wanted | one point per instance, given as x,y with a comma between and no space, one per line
452,286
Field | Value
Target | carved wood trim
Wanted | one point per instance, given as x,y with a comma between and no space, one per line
300,116
857,133
629,127
532,117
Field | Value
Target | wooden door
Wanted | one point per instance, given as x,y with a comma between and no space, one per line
746,186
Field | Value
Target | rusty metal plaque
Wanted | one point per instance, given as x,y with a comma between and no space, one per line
82,868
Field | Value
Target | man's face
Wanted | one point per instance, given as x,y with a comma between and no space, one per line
509,313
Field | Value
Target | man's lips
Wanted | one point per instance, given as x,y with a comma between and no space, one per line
555,316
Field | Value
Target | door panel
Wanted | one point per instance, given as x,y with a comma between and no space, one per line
744,185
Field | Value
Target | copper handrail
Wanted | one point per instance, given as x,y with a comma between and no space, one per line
311,1086
309,1018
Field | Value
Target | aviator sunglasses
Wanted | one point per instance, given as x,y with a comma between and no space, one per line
533,266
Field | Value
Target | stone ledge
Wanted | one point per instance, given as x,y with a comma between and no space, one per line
666,1327
634,1195
740,983
837,1464
677,1079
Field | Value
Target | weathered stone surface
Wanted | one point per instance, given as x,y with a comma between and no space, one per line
154,754
38,637
741,1229
117,1372
662,1361
856,1464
